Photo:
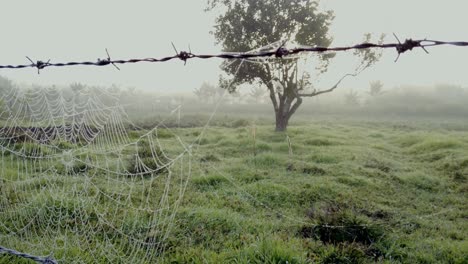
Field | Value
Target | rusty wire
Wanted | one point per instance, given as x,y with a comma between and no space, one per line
401,47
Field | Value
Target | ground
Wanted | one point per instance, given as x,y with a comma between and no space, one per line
395,192
337,192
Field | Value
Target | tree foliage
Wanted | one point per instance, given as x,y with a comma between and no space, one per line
352,98
375,88
250,24
245,25
208,92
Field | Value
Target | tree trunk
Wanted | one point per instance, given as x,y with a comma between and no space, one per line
285,103
286,109
282,115
281,122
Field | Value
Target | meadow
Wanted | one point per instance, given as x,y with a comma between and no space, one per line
326,191
340,192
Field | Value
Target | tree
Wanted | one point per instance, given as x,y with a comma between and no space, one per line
207,92
375,88
250,24
352,98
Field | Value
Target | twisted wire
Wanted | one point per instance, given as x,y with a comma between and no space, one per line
401,47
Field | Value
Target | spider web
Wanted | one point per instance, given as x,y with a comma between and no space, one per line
77,183
74,177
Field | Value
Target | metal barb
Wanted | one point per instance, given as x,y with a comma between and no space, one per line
409,44
183,55
38,64
173,46
281,51
399,43
422,46
107,61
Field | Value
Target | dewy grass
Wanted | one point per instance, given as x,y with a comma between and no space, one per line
399,197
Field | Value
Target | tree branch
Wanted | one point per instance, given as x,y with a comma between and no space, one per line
315,92
293,76
271,88
295,106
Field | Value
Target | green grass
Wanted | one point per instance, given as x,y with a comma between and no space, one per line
349,193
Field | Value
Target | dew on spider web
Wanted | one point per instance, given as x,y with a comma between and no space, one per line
68,175
68,159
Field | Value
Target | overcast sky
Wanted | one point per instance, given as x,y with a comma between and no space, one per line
81,30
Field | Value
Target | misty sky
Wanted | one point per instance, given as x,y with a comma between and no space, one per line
81,30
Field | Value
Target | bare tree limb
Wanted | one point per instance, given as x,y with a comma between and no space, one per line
271,88
315,92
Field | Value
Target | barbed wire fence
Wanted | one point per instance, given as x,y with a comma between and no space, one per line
281,52
401,47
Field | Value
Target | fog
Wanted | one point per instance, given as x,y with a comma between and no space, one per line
417,85
63,31
159,163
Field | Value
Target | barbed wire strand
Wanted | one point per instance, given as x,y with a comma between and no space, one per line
43,260
407,45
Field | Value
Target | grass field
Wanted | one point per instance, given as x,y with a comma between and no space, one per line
396,193
340,192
